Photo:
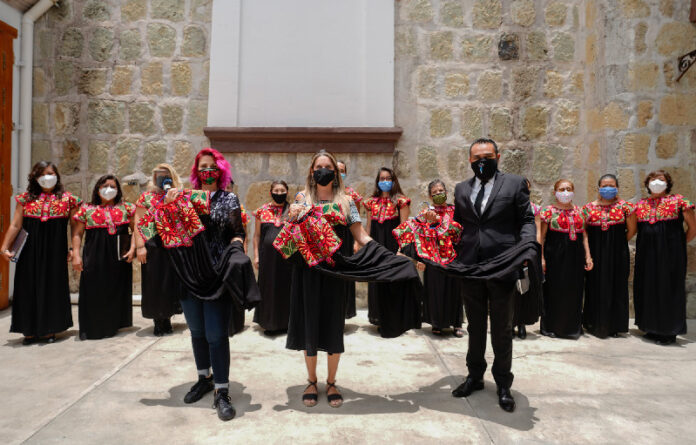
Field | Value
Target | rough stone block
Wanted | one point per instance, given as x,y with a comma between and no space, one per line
440,122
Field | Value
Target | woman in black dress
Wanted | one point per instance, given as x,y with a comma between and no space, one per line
659,292
161,288
565,258
386,209
610,223
273,311
318,221
349,246
41,301
106,281
442,299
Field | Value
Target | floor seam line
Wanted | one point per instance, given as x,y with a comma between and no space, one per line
89,389
441,360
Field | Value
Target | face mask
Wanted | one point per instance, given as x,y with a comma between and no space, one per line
385,186
485,168
608,192
440,198
343,177
324,176
108,193
279,198
564,197
47,181
164,182
208,175
657,186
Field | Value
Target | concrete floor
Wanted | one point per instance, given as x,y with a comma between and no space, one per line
129,389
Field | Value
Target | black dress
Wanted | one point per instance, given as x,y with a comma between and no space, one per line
106,284
659,292
161,288
273,311
385,218
347,249
41,300
528,306
606,285
564,254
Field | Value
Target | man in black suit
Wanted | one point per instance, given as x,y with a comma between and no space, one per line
493,209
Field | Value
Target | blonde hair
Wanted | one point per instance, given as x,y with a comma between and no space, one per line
176,181
339,194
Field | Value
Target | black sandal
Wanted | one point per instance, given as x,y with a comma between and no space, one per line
309,399
333,397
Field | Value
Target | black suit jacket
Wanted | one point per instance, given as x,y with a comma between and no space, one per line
506,220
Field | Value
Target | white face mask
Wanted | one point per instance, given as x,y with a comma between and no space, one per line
565,197
108,193
657,186
47,181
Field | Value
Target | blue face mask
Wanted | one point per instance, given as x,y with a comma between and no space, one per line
385,186
343,177
608,192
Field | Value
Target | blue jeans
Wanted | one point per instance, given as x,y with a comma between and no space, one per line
208,321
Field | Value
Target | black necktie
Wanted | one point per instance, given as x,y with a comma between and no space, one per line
479,198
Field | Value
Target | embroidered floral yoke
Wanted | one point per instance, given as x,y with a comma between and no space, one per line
570,221
434,242
382,209
177,222
605,216
47,205
667,208
108,217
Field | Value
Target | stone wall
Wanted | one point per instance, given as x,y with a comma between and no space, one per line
568,88
120,86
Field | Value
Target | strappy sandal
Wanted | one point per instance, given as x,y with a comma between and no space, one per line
310,399
333,397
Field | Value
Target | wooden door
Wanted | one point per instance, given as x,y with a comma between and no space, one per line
7,35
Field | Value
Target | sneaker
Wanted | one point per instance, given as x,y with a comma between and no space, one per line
203,386
225,410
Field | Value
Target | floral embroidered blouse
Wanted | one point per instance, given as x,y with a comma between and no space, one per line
605,216
245,216
570,221
535,208
382,209
666,208
313,236
109,217
270,213
435,242
177,222
357,199
47,205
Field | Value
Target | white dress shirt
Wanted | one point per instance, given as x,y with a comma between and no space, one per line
486,192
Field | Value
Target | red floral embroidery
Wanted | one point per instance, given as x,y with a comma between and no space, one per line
605,216
109,217
178,222
667,208
382,209
568,221
48,206
357,199
245,216
313,237
269,213
432,242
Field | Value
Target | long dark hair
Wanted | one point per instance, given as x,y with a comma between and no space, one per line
286,204
33,187
97,199
396,188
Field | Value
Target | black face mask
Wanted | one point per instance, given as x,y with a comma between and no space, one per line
324,176
485,168
279,198
164,180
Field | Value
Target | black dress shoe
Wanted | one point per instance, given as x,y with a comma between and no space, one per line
666,340
465,389
522,332
203,386
225,410
505,399
168,326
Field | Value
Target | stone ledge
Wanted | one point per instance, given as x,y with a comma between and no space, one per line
303,139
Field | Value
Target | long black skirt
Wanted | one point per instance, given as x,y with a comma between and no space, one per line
161,287
275,275
41,300
347,250
381,233
606,285
442,299
659,288
563,288
106,286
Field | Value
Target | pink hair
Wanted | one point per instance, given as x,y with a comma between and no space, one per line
220,161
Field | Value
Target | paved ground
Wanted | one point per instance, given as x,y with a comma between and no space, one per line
129,389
